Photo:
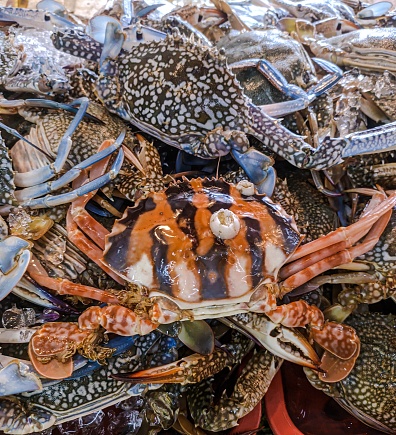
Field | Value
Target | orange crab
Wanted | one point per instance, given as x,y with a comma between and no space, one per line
203,249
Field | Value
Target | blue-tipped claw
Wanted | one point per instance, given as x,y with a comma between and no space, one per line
51,201
14,260
17,378
29,290
259,169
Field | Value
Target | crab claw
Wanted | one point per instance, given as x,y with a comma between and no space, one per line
340,340
342,347
51,348
14,260
191,369
17,377
281,341
336,369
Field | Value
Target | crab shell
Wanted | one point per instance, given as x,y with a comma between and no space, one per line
166,244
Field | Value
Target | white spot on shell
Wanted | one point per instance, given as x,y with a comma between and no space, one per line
225,224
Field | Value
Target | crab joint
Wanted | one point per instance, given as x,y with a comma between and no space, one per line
224,224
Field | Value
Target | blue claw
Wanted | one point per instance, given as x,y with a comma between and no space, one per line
114,40
259,169
279,81
29,290
17,378
325,84
51,201
299,98
49,104
14,260
273,75
72,174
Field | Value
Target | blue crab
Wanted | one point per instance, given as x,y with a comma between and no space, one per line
316,10
184,94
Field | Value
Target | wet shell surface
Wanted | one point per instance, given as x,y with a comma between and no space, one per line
166,242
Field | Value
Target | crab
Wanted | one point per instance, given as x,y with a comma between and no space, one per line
198,106
226,412
49,139
368,392
369,50
202,249
316,10
90,386
29,64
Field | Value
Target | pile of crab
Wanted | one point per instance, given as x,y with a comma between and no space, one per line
190,196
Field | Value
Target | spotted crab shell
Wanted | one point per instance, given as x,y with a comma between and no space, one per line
166,244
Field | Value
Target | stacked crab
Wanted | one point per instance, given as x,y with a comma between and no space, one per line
142,181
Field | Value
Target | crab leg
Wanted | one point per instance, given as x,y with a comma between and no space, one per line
87,246
345,256
191,369
45,188
317,256
196,367
37,176
77,216
88,48
65,287
349,234
51,201
53,345
250,388
300,99
116,319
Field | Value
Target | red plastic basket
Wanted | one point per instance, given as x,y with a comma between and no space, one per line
294,407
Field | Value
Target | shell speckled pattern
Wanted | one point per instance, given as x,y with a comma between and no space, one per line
166,243
249,390
7,186
180,90
11,56
284,52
